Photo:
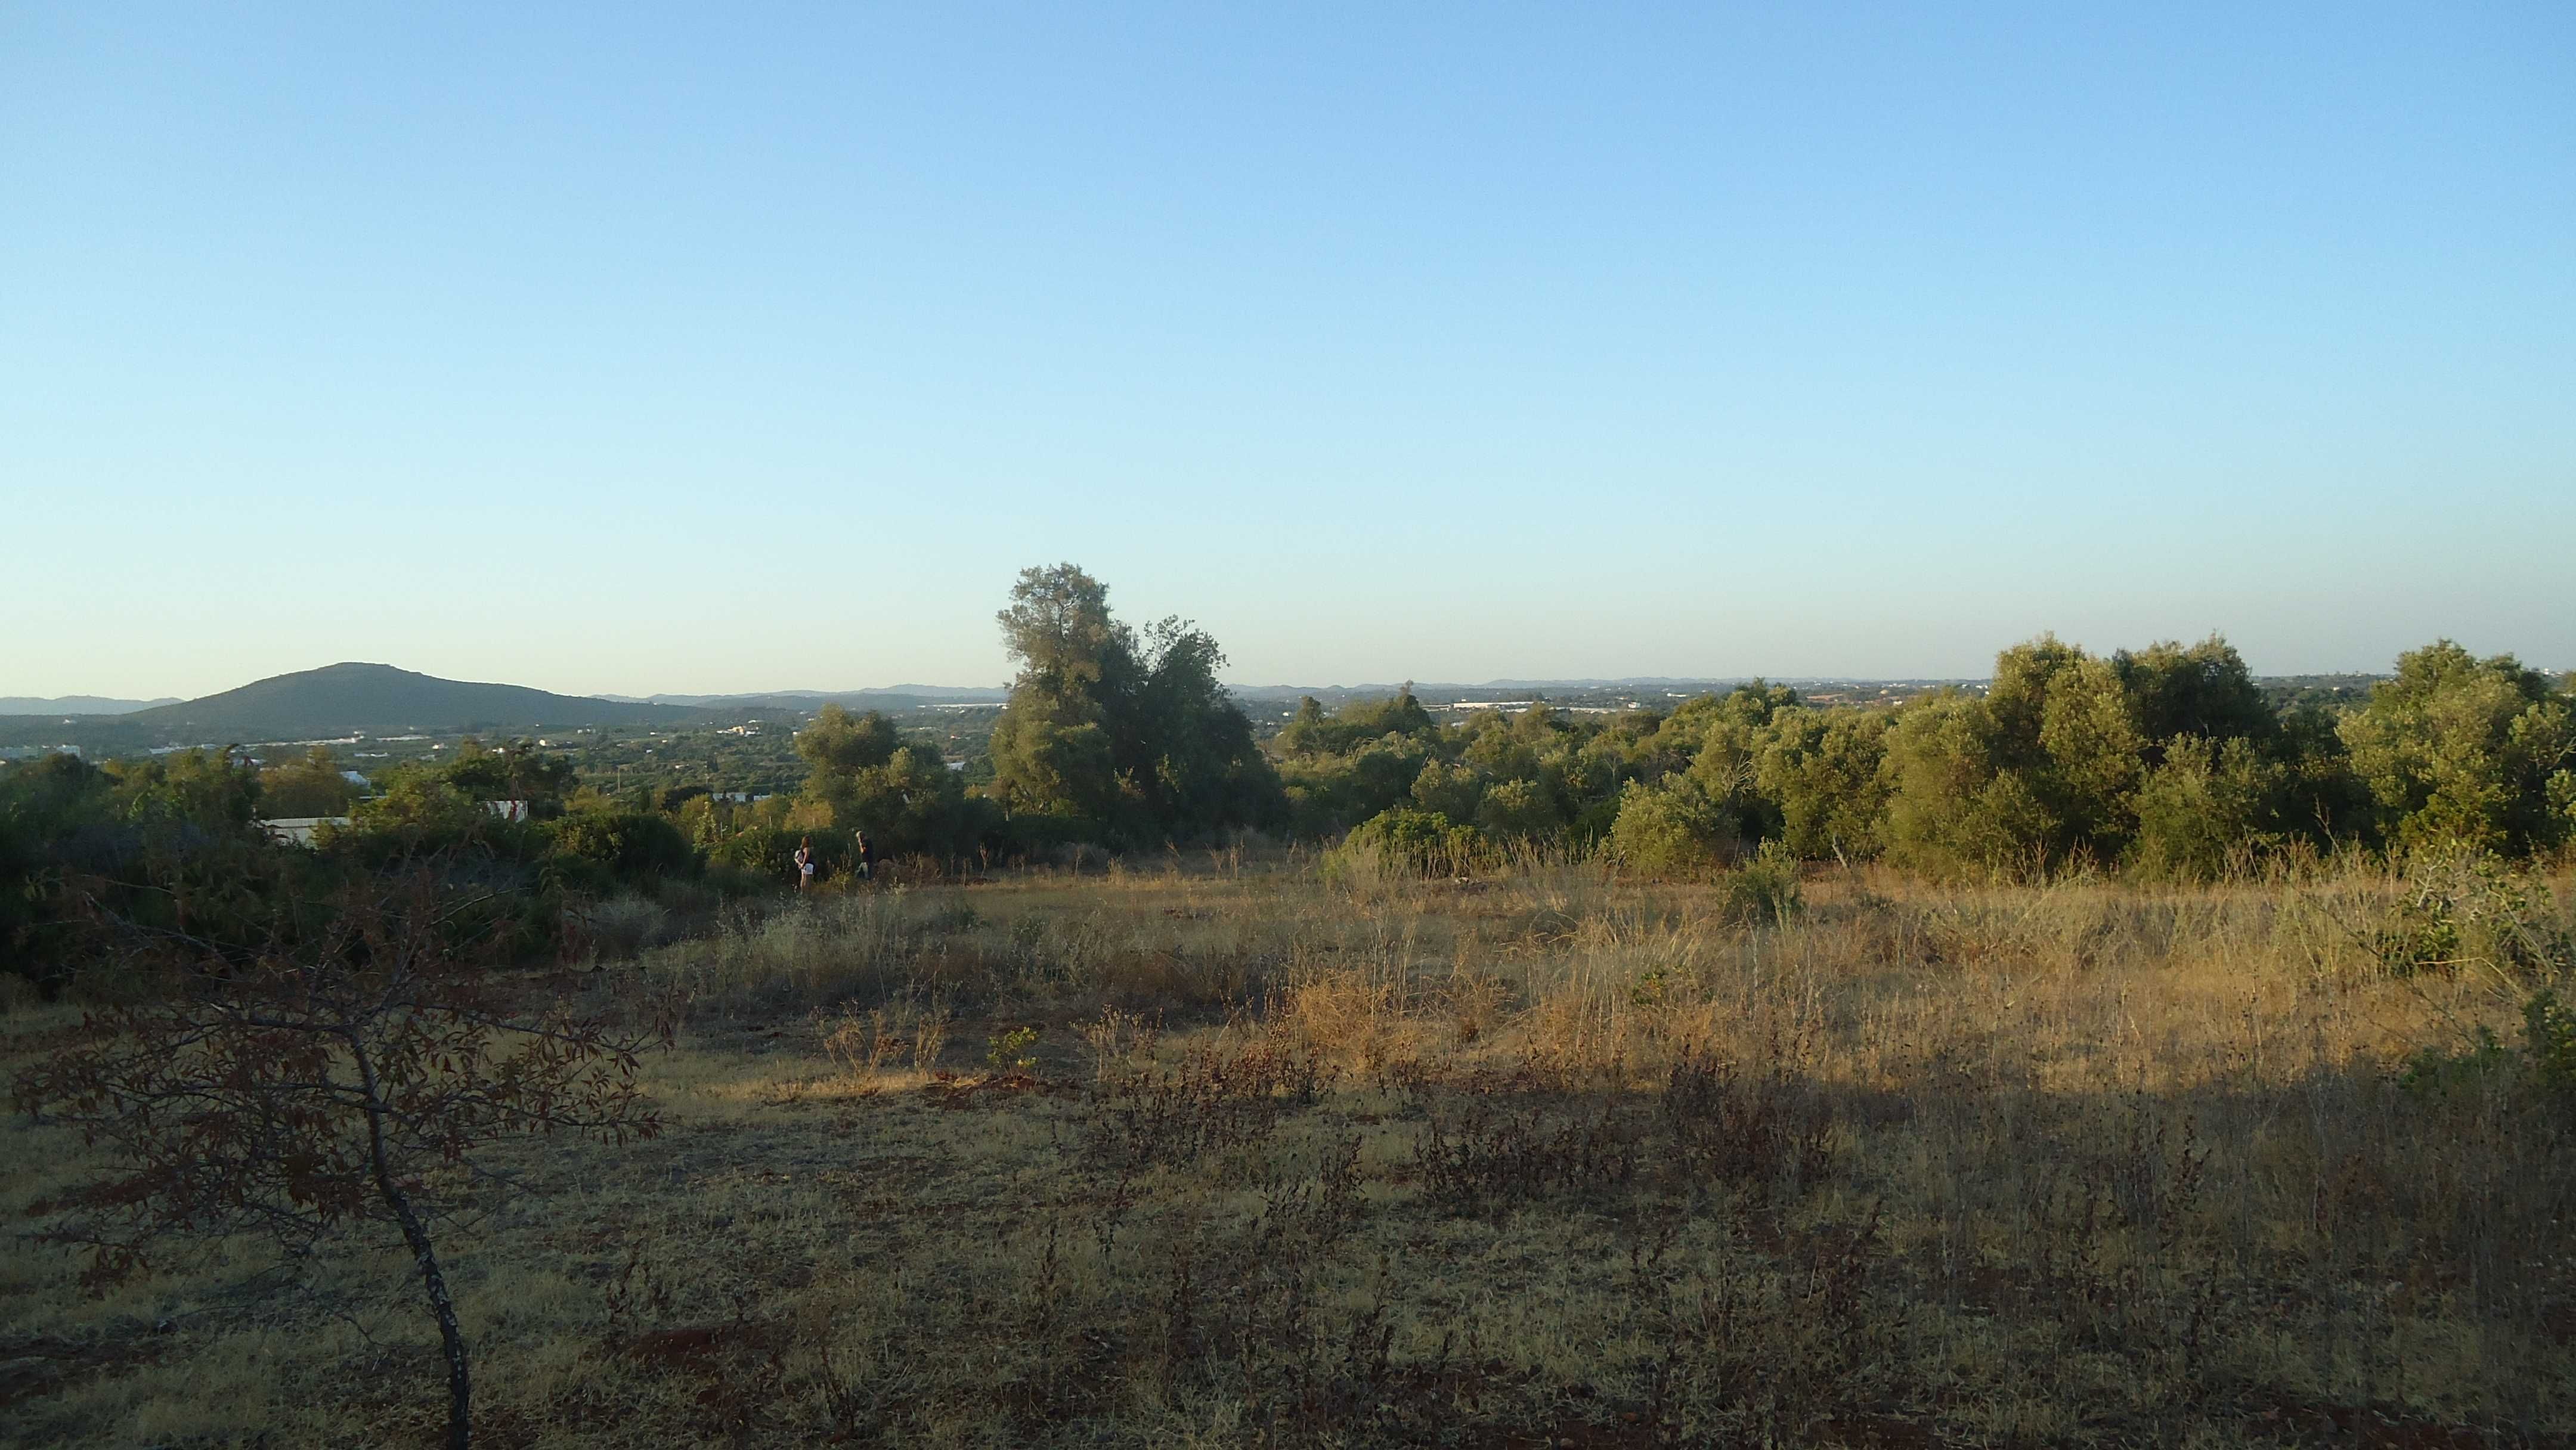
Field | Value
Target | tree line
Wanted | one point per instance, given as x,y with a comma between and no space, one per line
2168,763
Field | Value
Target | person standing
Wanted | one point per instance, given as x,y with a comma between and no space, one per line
805,863
866,856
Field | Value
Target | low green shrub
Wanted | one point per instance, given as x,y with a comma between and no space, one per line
1406,842
631,845
1676,830
1766,888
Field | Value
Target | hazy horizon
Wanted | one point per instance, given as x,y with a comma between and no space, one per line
1233,678
653,350
12,703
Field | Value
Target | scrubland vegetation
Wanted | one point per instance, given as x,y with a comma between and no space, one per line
1215,1153
2120,1055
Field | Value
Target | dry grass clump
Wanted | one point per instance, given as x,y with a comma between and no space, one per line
865,1046
1540,1158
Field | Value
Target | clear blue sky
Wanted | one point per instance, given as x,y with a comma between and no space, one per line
624,348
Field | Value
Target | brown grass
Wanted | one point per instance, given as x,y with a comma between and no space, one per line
1540,1160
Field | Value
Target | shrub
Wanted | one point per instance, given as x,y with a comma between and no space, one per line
2549,1036
2546,1060
2207,806
2461,749
625,925
1454,791
1766,888
1673,830
2465,908
1519,810
1410,842
1490,1148
772,853
1762,1132
1821,768
1216,1096
632,845
1008,1051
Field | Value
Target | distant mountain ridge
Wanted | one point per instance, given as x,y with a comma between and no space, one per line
77,705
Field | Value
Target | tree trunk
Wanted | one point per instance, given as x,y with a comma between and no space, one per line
433,1281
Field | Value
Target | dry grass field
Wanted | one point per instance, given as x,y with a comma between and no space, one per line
1217,1154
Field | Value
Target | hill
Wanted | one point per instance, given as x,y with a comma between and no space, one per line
345,699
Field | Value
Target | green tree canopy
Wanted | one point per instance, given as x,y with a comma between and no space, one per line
1820,769
515,770
839,742
870,778
1312,732
311,786
2463,749
1116,736
2203,690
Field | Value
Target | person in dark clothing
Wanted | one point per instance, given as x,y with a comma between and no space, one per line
865,855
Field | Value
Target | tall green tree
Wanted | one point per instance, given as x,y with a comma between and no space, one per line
2092,757
839,742
1820,771
1953,804
1113,736
1188,744
2041,771
1726,761
870,778
2204,690
2456,748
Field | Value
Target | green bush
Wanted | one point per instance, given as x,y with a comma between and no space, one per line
2549,1036
2544,1064
771,854
1454,791
625,925
1821,769
1407,842
1673,830
1519,810
2465,750
2466,908
1766,888
1008,1051
2204,810
1327,793
631,845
